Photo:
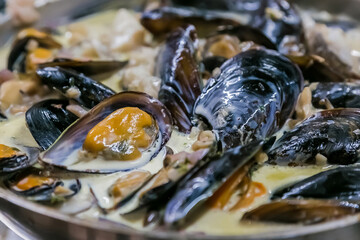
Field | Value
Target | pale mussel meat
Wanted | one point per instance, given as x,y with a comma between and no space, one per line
333,134
180,79
99,142
46,121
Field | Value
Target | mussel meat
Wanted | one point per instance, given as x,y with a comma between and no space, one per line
301,211
46,121
100,141
342,183
37,186
180,79
334,134
13,159
18,54
74,85
246,101
195,190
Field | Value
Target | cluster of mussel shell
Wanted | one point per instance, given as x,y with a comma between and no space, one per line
250,94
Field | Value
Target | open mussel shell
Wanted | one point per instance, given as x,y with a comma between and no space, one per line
94,69
17,56
157,190
36,186
166,19
339,94
252,97
20,159
342,183
64,152
334,134
180,79
194,190
46,121
74,85
297,211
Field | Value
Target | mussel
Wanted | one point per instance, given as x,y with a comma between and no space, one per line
74,85
333,134
13,159
340,95
251,98
301,211
46,121
281,23
166,19
36,186
123,132
195,190
19,51
180,79
342,183
94,69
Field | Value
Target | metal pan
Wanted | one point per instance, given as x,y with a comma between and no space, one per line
33,221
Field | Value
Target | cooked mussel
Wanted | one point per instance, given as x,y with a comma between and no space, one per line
340,95
74,85
342,183
19,51
94,69
251,98
35,185
301,211
333,134
162,185
180,79
281,23
13,159
196,189
101,140
46,121
166,19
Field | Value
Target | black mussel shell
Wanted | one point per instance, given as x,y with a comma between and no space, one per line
210,63
281,23
242,6
251,98
93,69
87,91
340,95
301,211
332,133
180,79
248,33
342,183
17,56
166,19
195,190
44,193
46,121
73,138
22,159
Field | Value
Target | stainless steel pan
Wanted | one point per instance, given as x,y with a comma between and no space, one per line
33,221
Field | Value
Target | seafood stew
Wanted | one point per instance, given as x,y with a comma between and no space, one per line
171,117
